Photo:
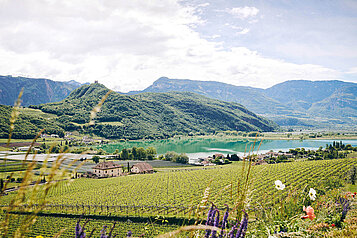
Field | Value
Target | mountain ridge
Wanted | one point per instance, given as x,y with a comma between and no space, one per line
152,115
36,90
295,101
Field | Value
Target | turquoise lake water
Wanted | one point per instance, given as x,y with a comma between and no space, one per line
200,147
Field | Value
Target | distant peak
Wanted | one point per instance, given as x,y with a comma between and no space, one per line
162,79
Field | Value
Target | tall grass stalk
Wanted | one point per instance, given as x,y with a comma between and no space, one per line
32,192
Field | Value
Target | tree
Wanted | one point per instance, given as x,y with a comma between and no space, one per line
171,156
151,153
96,159
182,158
141,153
101,152
234,157
134,151
124,154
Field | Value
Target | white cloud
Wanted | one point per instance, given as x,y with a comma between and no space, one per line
243,31
203,5
243,12
352,70
127,45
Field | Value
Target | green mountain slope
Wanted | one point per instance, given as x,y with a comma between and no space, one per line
28,124
291,103
36,91
152,115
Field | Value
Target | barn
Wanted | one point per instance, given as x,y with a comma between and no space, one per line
142,168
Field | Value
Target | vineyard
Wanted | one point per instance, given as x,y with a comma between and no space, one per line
176,193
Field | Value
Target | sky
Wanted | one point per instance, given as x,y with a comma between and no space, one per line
127,45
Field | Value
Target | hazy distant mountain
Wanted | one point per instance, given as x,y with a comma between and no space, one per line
36,90
252,98
152,115
302,93
298,102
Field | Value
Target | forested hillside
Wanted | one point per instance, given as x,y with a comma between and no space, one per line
28,124
152,115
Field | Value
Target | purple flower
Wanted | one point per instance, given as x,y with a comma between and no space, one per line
80,230
129,234
216,223
103,232
210,218
231,233
243,226
224,221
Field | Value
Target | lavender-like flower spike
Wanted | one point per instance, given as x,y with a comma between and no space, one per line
243,225
231,233
78,229
224,221
209,218
103,232
216,223
129,234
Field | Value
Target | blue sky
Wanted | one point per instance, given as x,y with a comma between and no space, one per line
316,32
127,45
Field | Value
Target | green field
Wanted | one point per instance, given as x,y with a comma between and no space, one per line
175,193
186,187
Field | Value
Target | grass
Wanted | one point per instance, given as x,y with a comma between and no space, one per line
352,155
351,188
36,112
112,123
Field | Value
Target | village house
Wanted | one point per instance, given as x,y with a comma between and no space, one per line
108,169
142,168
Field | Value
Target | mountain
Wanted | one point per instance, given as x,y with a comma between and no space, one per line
152,115
250,97
36,90
342,102
291,103
303,93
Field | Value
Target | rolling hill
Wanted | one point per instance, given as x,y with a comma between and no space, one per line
152,115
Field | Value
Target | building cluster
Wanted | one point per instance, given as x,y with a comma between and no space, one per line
112,169
263,158
208,161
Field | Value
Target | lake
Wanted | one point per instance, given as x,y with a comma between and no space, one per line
202,147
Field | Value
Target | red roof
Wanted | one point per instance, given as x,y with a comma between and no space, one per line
143,167
107,165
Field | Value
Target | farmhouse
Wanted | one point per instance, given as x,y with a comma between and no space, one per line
142,168
107,169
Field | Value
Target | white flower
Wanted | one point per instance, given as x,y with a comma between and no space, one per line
312,194
279,185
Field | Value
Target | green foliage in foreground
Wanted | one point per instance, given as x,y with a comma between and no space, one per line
152,115
50,226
